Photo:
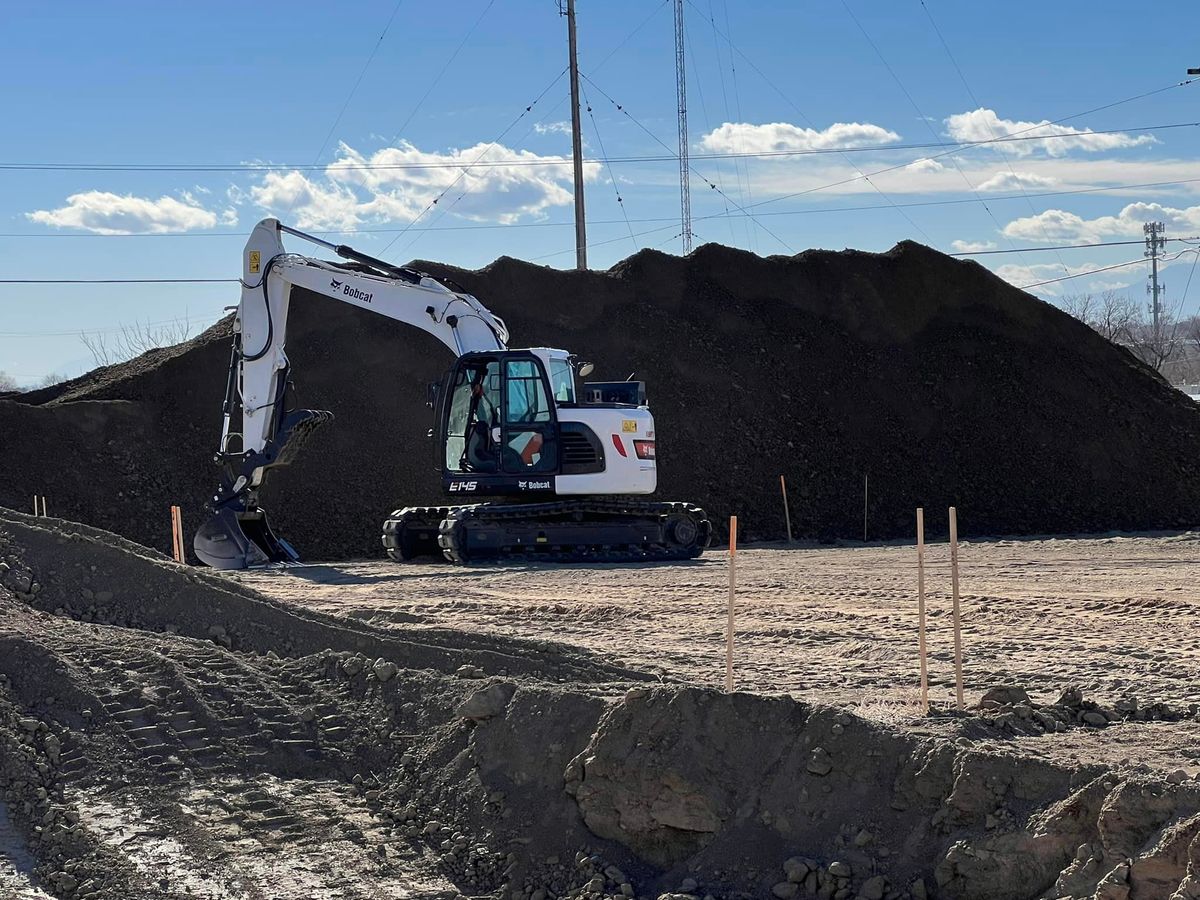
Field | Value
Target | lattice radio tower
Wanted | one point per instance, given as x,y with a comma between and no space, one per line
685,187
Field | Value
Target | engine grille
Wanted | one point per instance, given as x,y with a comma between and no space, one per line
577,450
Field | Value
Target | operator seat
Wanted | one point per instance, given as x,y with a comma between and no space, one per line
481,456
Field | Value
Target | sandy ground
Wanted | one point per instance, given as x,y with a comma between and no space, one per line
1114,616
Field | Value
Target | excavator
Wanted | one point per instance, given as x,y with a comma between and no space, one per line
537,465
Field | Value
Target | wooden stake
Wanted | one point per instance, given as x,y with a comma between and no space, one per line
787,516
35,504
44,506
866,479
729,625
921,609
177,533
958,675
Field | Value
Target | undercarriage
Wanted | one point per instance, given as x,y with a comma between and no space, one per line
576,530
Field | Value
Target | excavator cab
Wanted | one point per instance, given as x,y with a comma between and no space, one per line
497,431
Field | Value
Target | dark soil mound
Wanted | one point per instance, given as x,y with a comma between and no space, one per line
938,380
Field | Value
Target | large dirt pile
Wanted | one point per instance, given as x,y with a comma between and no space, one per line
167,735
930,376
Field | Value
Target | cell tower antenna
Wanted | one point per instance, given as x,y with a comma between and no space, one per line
685,187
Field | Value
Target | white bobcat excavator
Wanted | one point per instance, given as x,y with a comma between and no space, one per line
570,469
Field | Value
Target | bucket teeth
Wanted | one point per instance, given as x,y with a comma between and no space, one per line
240,540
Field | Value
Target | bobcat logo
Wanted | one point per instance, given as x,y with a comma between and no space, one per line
334,283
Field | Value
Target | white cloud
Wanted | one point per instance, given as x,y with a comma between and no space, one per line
742,137
1019,274
925,165
984,125
1070,228
309,203
972,246
1018,181
553,128
396,184
102,212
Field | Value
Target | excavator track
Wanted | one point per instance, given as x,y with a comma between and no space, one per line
412,532
564,531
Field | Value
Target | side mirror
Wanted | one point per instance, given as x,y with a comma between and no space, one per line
586,369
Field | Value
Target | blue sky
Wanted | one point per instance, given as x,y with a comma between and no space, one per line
224,84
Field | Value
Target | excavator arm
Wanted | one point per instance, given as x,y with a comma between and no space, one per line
258,432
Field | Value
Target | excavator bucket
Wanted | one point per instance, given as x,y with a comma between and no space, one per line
237,534
233,539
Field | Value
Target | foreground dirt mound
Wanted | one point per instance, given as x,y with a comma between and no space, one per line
931,376
238,762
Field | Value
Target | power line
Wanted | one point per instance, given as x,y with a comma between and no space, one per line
691,168
358,81
925,119
187,320
542,161
1062,247
960,149
812,125
432,203
119,281
611,176
1132,262
808,211
970,93
438,78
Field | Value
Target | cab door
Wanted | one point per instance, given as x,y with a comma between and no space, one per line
471,417
529,443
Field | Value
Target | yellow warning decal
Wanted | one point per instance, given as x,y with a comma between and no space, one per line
629,426
255,260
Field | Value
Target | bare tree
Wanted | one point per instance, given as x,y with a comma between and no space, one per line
1117,316
8,383
50,380
1158,343
134,340
1081,306
1111,314
1124,321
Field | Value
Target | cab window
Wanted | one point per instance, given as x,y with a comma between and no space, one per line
562,381
526,402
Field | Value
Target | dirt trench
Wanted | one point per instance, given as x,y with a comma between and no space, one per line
166,734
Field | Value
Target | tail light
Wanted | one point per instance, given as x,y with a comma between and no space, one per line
644,449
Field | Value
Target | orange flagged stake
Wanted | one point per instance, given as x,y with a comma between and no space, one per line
732,583
921,610
958,675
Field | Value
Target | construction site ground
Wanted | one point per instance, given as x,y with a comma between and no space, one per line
371,730
1113,616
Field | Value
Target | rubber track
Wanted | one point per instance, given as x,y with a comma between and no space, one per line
430,516
453,530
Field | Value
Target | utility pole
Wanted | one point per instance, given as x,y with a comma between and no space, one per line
576,141
685,173
1154,244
